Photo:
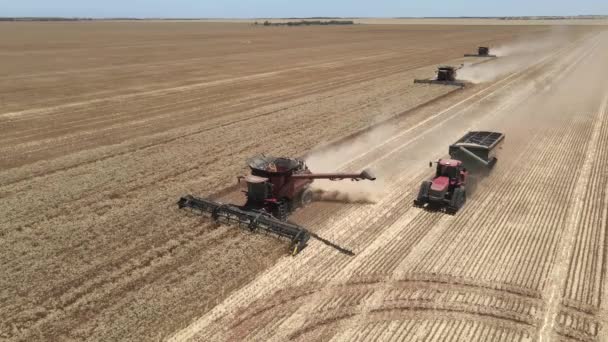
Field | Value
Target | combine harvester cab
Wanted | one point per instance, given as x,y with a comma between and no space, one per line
275,188
482,51
475,152
446,75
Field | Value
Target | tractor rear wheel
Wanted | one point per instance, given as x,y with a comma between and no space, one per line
423,194
281,210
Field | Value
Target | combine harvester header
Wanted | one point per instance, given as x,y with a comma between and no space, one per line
232,214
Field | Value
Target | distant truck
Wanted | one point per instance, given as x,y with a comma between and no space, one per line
447,189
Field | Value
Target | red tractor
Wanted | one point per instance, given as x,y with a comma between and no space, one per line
447,189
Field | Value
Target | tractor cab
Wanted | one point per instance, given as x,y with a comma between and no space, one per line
449,173
449,181
452,169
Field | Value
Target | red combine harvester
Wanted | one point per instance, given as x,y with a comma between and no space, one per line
280,185
447,189
275,188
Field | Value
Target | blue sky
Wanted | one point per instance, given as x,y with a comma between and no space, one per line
294,8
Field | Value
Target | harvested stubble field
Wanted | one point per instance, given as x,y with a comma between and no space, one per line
105,124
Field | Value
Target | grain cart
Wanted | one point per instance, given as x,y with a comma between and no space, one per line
275,188
482,51
474,152
446,75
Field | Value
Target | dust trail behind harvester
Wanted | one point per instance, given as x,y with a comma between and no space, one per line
328,160
513,57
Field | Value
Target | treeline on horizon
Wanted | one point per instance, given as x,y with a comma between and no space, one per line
557,17
43,19
307,23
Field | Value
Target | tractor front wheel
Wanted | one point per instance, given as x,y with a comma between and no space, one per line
423,194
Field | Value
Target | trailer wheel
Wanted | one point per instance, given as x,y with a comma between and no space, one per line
305,197
281,210
423,194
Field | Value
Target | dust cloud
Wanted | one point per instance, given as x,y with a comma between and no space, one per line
338,159
513,57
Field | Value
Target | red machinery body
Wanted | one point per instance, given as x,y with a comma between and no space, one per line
447,189
280,185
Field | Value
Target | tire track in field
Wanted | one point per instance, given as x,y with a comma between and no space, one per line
428,325
176,89
580,311
560,271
